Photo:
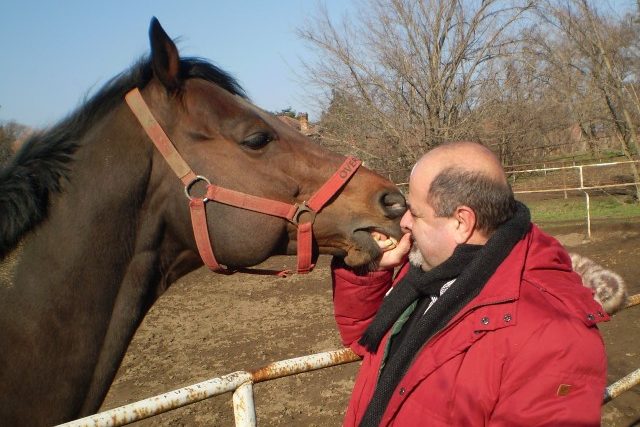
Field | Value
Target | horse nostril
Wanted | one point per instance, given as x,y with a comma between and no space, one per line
393,204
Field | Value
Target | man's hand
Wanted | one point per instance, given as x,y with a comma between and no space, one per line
393,253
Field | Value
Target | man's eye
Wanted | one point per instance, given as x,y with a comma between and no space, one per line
257,140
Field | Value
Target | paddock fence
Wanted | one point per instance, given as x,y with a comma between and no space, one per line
241,384
613,180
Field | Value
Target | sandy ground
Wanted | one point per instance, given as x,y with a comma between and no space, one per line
208,325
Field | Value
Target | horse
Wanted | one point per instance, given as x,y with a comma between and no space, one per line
99,228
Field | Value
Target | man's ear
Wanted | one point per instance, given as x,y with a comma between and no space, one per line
466,218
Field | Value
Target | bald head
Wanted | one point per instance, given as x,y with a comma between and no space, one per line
463,155
464,174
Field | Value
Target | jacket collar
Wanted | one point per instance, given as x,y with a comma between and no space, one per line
538,259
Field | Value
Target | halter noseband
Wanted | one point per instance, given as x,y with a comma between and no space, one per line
288,211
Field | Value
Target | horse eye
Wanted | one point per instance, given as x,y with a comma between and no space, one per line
257,140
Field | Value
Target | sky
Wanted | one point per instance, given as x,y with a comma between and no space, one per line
56,52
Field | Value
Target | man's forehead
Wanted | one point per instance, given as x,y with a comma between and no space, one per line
413,169
422,174
415,198
431,163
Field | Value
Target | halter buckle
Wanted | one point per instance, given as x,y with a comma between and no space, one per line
187,188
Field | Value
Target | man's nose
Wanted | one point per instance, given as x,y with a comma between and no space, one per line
406,222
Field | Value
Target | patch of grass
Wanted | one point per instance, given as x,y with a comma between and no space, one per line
574,209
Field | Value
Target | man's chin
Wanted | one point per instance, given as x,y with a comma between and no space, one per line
417,260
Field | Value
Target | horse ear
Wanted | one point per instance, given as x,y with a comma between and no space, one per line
165,59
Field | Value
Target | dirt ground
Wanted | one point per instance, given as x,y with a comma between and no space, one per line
208,325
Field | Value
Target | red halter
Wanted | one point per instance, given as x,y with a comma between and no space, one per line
290,212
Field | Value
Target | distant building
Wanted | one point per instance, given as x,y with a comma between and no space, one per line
301,124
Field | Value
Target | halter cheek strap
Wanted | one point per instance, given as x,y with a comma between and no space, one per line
159,137
290,212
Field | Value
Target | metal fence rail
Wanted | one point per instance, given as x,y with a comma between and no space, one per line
581,187
623,384
241,383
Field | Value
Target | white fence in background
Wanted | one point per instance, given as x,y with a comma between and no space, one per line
566,186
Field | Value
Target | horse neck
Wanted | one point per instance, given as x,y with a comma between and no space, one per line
85,279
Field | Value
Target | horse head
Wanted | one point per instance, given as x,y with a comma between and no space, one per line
236,145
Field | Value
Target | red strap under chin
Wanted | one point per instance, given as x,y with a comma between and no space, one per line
305,247
201,233
205,247
270,207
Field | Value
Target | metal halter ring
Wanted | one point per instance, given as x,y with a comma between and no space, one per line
187,188
300,209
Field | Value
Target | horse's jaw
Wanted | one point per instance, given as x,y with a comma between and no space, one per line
363,250
360,249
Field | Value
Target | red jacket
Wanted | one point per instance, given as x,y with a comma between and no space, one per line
526,351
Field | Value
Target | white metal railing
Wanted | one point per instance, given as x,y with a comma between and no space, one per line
623,384
582,187
241,383
573,167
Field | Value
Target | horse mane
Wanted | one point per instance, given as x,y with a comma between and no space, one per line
42,163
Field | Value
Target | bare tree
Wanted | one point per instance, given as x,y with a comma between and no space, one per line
12,134
517,114
413,70
404,75
603,51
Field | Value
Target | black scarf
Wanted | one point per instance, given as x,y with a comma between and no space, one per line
472,266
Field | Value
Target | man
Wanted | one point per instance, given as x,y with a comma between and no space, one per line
486,325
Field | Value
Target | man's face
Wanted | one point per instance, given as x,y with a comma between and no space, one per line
433,237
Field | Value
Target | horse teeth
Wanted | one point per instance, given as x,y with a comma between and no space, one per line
391,243
377,236
385,242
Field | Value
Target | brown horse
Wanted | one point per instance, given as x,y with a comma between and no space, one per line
103,227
